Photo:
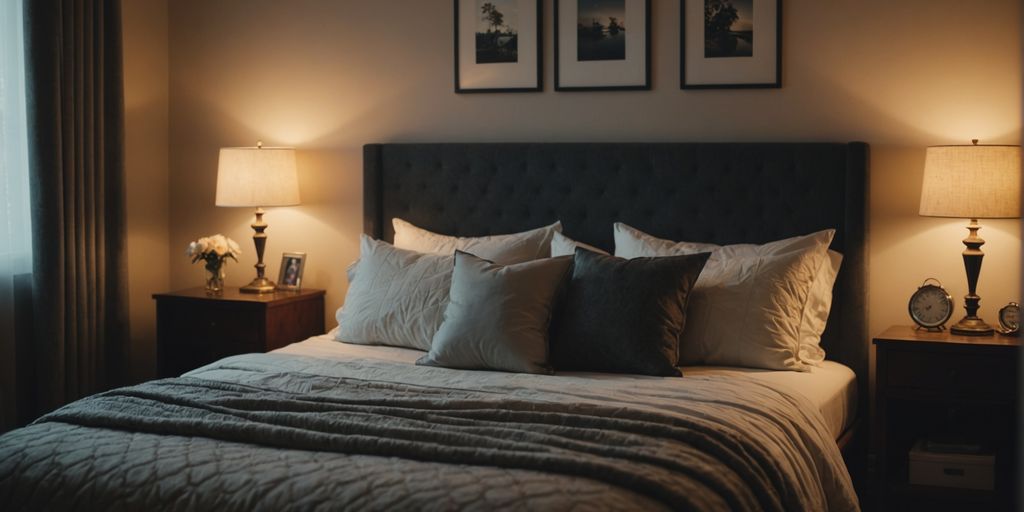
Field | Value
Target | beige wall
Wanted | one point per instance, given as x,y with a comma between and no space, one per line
328,77
146,147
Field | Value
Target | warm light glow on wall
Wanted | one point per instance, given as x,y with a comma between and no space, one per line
344,74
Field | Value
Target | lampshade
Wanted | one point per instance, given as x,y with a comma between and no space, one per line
257,176
971,182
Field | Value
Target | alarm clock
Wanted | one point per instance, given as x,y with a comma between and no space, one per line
1009,319
931,306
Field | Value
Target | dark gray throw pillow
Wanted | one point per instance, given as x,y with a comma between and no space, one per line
498,317
624,316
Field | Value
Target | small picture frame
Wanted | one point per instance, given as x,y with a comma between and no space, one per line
602,45
292,266
730,44
498,46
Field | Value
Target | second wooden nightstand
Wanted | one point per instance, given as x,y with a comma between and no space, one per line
941,385
194,329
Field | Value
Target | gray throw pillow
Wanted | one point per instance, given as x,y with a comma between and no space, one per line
398,299
624,316
498,316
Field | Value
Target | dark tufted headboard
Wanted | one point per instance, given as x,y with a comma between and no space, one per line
721,193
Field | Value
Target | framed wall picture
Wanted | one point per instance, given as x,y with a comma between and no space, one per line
498,46
730,44
292,266
602,45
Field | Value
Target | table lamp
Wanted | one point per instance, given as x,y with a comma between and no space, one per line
972,182
257,177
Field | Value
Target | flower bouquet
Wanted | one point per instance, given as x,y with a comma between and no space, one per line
214,251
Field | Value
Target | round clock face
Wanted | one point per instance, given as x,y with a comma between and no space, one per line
1009,316
930,306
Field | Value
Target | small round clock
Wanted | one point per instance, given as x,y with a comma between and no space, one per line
931,305
1009,319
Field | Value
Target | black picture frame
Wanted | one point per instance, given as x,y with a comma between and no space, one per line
535,86
646,58
769,82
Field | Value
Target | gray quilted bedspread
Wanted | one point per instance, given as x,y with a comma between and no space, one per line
275,432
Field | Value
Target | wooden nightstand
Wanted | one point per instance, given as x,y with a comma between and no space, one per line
194,329
939,384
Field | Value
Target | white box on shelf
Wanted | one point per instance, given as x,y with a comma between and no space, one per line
960,470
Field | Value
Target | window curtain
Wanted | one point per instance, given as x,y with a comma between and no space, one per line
15,239
75,117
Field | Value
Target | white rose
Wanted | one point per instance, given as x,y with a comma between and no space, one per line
234,247
220,244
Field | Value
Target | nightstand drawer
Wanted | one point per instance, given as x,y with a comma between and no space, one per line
228,326
953,373
213,325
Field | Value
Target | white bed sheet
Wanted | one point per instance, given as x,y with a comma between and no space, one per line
832,387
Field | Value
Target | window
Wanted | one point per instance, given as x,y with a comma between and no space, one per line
15,232
15,246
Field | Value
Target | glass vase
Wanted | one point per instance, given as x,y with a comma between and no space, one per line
215,279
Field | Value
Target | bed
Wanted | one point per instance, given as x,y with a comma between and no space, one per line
322,424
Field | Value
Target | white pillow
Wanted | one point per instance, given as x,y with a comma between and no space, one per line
398,299
819,300
501,249
562,245
750,301
819,304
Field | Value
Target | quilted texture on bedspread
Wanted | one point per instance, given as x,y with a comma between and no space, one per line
193,443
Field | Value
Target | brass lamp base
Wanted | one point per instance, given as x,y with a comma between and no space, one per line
972,326
259,285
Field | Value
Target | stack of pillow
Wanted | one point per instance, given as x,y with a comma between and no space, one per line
538,301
